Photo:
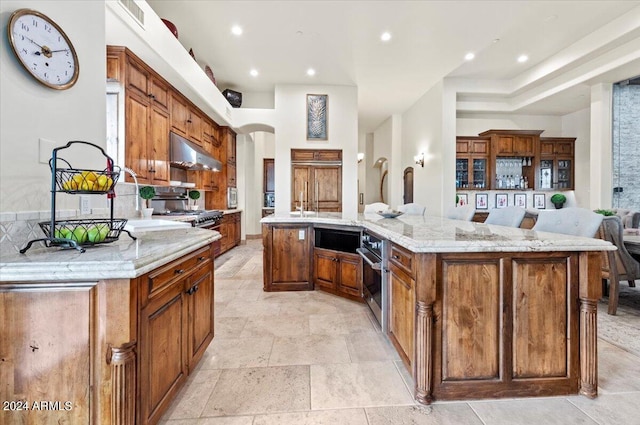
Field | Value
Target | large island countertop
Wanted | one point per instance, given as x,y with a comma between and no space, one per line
423,234
126,258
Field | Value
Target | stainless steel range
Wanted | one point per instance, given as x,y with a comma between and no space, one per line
373,250
201,218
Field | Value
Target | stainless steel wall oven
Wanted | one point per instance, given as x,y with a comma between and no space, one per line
374,275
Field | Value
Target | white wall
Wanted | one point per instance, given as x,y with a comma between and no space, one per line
382,150
31,111
577,125
600,164
263,147
291,127
422,129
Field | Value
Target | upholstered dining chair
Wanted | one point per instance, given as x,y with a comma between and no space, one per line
569,221
509,216
463,212
617,265
375,207
412,209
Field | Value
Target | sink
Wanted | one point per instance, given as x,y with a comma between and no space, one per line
306,213
151,225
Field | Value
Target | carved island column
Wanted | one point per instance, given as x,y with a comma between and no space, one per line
424,327
123,384
590,293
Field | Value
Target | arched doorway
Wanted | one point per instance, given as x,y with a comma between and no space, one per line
407,196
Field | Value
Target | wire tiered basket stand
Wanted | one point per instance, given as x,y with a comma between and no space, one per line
81,233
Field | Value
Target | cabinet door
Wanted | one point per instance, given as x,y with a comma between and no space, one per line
288,258
547,177
350,274
462,146
179,115
269,184
163,357
504,145
137,134
564,171
326,187
238,229
159,94
462,172
401,317
45,347
325,269
231,146
194,126
159,145
301,175
200,297
137,78
479,177
523,145
231,175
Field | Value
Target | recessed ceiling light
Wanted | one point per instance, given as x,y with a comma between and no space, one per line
236,30
496,40
254,72
550,18
469,56
385,36
523,58
311,72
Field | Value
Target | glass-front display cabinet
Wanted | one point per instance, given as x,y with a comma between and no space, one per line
472,160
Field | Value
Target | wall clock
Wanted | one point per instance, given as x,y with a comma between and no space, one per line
43,49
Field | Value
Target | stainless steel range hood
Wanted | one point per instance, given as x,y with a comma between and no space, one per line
188,155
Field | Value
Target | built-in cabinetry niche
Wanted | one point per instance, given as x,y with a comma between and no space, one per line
514,159
316,182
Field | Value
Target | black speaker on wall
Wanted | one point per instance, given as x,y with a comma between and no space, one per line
233,97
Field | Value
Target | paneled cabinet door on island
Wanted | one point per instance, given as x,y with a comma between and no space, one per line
339,273
176,326
287,257
402,306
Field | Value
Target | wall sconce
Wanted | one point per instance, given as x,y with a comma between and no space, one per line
419,159
360,157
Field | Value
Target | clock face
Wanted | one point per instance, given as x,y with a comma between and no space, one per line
43,49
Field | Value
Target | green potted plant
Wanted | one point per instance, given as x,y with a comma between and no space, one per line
558,200
147,193
606,213
194,195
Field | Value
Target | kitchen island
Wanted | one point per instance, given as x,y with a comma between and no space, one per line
476,310
107,336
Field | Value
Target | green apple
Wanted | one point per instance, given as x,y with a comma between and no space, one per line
104,231
93,234
63,233
79,234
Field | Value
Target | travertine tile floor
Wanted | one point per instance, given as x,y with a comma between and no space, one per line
311,358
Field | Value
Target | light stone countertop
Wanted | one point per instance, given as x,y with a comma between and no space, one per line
124,259
439,234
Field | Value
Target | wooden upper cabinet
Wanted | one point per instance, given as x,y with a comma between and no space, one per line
194,126
513,142
229,137
316,155
269,184
557,145
140,80
472,146
179,114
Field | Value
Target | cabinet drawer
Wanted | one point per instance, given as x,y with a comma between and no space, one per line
402,258
160,279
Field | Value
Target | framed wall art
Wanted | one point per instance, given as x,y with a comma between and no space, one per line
482,201
538,201
502,199
317,110
520,200
462,199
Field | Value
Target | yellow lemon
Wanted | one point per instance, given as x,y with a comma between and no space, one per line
89,175
102,183
86,185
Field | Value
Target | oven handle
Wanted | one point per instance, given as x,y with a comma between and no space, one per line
363,253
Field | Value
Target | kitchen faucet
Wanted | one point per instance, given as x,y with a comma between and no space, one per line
135,181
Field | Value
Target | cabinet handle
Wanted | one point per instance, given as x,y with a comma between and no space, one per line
202,258
191,290
396,257
178,271
189,121
152,96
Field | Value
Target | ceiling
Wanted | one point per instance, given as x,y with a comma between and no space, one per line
341,41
